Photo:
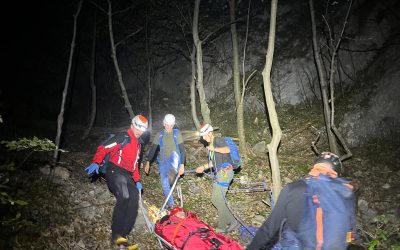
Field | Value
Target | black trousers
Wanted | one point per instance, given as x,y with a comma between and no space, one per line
121,184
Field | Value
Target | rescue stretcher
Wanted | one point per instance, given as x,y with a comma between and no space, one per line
153,217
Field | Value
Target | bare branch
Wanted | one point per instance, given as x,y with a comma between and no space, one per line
343,143
244,54
98,6
128,36
344,25
314,143
246,83
124,10
329,31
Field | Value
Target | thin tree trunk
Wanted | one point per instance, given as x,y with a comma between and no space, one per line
149,75
92,84
322,81
128,105
193,88
60,119
273,117
333,69
235,53
240,108
236,82
205,111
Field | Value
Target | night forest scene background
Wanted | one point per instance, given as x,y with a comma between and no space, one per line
317,76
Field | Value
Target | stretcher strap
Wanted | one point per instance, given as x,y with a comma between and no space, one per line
178,226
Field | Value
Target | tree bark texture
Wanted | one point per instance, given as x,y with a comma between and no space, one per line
273,117
148,55
92,79
193,89
323,84
125,96
205,111
236,81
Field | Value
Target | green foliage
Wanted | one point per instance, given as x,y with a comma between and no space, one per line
5,198
34,144
11,204
384,234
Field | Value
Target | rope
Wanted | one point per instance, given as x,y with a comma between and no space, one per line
235,215
150,226
169,195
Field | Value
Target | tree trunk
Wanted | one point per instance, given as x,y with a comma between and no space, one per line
205,111
150,116
273,117
60,119
128,105
236,82
334,53
92,84
235,53
193,88
323,84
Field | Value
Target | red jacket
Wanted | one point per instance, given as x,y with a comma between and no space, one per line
126,158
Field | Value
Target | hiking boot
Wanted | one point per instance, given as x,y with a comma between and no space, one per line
119,240
233,226
132,247
124,243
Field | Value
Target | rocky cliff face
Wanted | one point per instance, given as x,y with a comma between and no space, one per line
368,65
366,83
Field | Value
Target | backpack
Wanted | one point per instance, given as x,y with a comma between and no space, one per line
121,139
184,230
328,220
234,152
175,134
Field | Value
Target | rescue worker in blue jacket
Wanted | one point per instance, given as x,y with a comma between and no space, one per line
169,146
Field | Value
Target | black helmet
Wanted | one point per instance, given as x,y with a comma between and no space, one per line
332,159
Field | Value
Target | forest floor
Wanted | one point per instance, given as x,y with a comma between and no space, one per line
75,213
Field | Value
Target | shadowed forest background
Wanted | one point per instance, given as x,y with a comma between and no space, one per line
49,203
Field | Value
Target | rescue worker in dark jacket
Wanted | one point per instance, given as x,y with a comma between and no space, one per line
123,179
219,161
289,209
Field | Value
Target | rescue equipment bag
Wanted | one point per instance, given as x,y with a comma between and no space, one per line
328,220
234,152
329,215
184,230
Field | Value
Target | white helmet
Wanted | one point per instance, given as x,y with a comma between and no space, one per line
205,129
140,122
169,119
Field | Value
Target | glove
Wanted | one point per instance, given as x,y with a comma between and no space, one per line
139,186
92,167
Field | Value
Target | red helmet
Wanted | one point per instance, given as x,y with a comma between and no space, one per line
140,122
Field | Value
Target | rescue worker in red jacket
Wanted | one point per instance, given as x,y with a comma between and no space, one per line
123,179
